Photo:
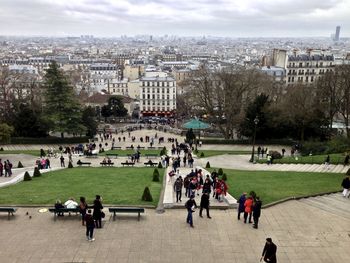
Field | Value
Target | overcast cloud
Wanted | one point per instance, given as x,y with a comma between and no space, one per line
234,18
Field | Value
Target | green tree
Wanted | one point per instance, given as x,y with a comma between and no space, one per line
89,121
116,105
62,108
5,132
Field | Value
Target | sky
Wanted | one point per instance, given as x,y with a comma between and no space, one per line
229,18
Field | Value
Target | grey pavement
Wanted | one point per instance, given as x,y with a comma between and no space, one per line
302,232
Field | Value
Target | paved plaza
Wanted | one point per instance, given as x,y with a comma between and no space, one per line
309,230
302,232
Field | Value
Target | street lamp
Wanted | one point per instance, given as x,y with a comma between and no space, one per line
256,121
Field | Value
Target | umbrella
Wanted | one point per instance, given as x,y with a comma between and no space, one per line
196,125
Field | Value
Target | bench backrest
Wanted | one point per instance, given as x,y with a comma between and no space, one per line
8,209
64,210
126,209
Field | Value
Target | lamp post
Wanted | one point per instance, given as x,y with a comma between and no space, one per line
256,121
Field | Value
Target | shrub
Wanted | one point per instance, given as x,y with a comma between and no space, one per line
155,175
147,195
275,155
252,194
207,165
224,177
27,177
348,172
36,172
163,151
160,165
70,165
20,165
1,149
220,171
202,154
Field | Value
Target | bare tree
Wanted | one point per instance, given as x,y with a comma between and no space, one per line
344,95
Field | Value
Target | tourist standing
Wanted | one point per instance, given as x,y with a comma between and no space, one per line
269,251
1,168
190,204
346,186
97,215
204,204
256,211
82,208
241,202
62,161
248,209
178,188
90,225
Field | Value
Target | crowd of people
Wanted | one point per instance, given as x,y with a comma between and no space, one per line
6,168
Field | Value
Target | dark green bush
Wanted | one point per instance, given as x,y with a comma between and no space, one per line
1,149
155,175
202,154
146,196
36,172
27,177
20,165
163,151
348,172
275,155
207,165
224,177
70,165
160,165
220,171
249,142
336,145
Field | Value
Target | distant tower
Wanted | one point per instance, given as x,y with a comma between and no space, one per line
337,33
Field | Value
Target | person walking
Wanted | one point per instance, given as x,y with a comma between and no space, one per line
190,205
1,168
256,212
269,252
248,209
97,215
90,226
346,186
204,204
178,188
241,202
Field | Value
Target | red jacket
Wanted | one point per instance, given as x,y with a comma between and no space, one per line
248,205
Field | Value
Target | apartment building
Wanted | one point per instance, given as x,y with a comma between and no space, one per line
157,96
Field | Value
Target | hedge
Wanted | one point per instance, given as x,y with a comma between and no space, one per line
249,142
49,140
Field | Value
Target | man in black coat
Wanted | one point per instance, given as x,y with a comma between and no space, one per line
269,252
346,185
204,204
256,211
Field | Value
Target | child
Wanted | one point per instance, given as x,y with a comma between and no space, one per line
90,225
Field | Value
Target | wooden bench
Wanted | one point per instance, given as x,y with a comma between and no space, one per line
116,148
83,163
140,147
107,164
112,154
56,211
151,163
8,210
93,155
130,148
115,210
151,156
128,164
151,147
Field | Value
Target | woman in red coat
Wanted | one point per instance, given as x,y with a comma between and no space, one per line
248,205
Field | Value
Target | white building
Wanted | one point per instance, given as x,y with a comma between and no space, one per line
101,75
157,96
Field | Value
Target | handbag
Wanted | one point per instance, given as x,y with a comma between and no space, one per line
103,214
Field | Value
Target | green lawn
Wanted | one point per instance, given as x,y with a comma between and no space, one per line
273,186
336,158
117,186
30,152
209,153
126,152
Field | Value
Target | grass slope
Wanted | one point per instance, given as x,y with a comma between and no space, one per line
273,186
209,153
336,158
30,152
116,185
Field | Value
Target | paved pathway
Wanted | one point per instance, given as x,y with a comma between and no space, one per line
303,233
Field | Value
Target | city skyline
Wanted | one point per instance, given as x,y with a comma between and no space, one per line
108,18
